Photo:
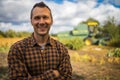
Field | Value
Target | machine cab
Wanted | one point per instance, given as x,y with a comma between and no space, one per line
92,28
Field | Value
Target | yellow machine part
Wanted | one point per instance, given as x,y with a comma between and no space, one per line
92,24
88,41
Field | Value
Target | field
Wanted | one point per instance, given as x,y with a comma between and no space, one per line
91,63
5,43
88,63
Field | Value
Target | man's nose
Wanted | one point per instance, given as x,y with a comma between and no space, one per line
41,21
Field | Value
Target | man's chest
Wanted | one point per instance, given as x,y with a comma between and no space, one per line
42,60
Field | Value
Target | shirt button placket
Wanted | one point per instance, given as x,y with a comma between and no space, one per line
42,51
44,61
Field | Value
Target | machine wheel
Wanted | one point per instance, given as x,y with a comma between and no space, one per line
88,41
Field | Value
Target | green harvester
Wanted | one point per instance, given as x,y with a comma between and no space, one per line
88,32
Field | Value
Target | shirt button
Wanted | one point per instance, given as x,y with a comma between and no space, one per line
42,51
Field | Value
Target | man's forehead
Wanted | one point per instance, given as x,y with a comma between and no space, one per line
40,9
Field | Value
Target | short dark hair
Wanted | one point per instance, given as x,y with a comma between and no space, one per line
42,5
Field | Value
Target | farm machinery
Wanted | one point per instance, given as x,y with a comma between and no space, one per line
88,32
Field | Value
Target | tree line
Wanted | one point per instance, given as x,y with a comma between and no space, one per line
12,34
113,30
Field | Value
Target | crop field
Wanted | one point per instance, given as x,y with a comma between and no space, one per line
5,43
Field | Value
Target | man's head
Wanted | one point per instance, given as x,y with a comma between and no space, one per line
41,19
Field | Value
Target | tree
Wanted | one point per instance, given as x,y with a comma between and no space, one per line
2,34
113,30
10,33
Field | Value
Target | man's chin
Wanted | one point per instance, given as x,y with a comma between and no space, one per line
42,34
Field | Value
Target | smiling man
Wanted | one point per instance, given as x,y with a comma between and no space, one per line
39,57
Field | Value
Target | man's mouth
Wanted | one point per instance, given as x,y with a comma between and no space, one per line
41,28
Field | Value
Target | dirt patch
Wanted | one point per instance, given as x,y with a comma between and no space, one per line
95,66
3,67
3,59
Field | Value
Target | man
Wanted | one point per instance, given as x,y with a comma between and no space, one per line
39,57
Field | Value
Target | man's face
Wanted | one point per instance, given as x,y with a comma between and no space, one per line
41,21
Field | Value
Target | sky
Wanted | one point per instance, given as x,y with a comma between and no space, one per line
15,14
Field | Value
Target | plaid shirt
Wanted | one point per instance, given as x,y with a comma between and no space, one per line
27,60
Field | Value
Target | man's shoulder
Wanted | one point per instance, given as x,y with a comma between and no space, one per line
57,43
60,46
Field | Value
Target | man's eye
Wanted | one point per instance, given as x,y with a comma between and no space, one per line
37,17
45,17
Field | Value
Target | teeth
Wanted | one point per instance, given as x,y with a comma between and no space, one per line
41,26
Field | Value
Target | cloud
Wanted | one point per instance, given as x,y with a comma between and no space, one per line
20,27
70,14
15,14
15,10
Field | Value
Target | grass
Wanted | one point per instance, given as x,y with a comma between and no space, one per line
73,43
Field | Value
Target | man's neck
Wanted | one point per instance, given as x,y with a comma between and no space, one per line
41,39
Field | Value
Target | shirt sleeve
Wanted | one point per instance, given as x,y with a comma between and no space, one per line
65,68
18,70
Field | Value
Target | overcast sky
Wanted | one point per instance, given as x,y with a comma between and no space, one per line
15,14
